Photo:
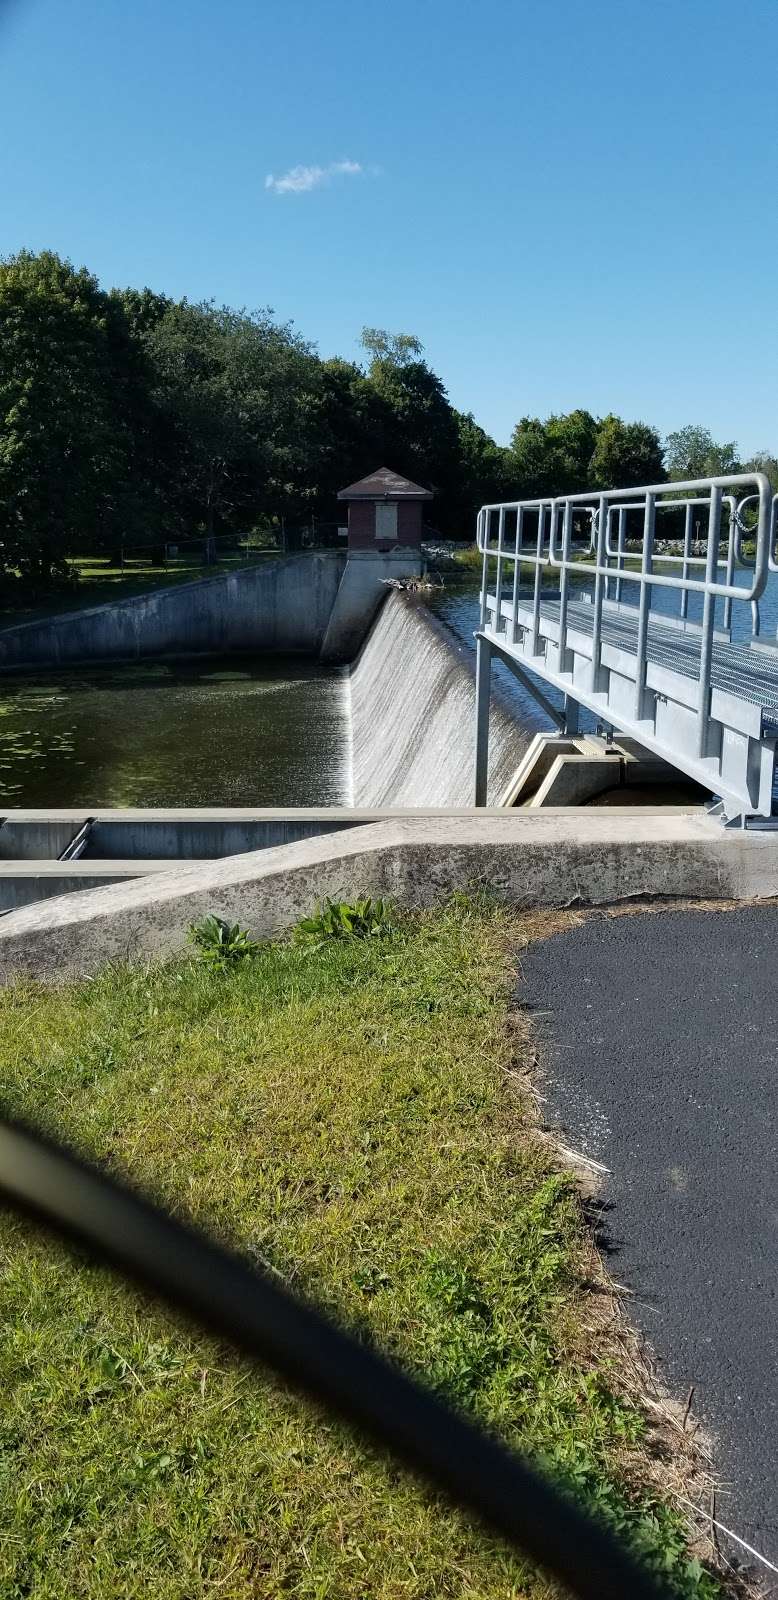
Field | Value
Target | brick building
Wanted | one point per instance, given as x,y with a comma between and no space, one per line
385,511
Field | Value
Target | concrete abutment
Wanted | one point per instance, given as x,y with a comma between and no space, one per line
529,858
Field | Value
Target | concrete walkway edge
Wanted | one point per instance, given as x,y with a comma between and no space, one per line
544,858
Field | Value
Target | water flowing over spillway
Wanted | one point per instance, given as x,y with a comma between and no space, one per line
413,715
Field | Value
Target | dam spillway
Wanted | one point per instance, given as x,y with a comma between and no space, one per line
412,714
110,775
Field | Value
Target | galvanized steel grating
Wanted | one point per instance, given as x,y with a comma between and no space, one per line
733,667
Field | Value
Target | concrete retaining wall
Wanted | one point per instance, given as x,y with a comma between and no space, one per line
552,858
362,590
275,605
413,715
37,863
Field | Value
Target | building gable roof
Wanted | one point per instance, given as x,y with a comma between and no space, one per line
383,484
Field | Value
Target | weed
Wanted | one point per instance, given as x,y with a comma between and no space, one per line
342,919
220,943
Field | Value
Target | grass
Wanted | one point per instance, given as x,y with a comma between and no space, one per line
351,1115
95,580
469,557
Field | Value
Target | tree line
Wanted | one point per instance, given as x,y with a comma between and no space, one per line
127,417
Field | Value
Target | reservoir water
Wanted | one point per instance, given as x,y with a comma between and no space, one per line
272,731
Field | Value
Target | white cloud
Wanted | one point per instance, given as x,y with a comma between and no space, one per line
300,180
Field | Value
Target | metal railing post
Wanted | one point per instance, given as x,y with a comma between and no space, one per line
621,548
482,538
708,621
498,580
538,581
599,588
641,652
564,586
687,551
730,561
517,574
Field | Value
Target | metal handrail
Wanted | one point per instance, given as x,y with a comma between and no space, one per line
663,497
551,550
745,532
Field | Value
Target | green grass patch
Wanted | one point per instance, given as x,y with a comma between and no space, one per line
345,1112
469,557
95,580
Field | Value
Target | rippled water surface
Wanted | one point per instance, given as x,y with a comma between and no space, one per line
264,732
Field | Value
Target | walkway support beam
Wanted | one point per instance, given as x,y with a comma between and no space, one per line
557,718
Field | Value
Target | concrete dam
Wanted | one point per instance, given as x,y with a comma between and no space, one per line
149,729
111,771
282,605
412,715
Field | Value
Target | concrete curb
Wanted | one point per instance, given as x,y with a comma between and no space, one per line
550,858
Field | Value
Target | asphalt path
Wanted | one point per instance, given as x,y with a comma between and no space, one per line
661,1062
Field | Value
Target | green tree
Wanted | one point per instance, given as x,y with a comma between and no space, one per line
65,445
529,459
764,461
626,453
692,452
350,428
421,436
552,457
483,472
239,392
140,309
399,349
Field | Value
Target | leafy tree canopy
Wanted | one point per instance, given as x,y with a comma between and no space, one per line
65,449
128,417
552,457
396,348
626,453
692,452
237,387
764,461
420,435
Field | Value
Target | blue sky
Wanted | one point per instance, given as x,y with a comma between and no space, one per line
570,203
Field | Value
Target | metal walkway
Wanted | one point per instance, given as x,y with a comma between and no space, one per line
692,691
